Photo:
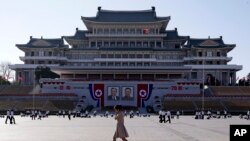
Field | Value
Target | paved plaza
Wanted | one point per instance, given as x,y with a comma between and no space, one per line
102,129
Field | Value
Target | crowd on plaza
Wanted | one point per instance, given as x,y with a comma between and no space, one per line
38,114
164,116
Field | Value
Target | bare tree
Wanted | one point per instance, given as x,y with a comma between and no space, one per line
5,70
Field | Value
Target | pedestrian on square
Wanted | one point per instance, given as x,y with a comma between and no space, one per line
160,116
225,113
169,116
248,115
121,131
40,115
163,113
69,115
12,118
7,117
177,114
63,113
218,114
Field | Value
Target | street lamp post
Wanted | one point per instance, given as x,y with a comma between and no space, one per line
34,85
203,78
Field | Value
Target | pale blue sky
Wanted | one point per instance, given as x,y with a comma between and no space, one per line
21,19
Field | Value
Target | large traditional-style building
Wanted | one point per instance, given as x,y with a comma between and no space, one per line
128,45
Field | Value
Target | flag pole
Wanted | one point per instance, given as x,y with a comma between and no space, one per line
203,85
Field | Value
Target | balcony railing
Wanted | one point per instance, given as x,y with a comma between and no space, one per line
236,67
42,58
207,58
124,60
128,67
31,66
125,35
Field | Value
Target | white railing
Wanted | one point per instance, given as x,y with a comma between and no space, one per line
207,58
125,59
128,67
31,66
81,60
237,67
42,58
126,35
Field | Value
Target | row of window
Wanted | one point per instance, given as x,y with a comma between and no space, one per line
127,56
41,62
127,64
41,53
126,31
129,44
209,62
210,54
126,44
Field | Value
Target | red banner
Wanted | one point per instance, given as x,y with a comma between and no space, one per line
99,92
142,92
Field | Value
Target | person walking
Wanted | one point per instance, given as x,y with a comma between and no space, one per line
12,118
177,114
160,116
121,131
225,113
39,115
69,115
209,114
169,116
7,117
33,115
248,115
163,113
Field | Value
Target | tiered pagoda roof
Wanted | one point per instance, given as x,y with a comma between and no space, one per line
43,43
79,35
208,43
172,35
126,16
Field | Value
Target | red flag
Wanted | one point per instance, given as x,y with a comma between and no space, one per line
145,31
142,92
99,92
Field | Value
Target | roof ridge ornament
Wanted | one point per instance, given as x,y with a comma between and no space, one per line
99,8
153,8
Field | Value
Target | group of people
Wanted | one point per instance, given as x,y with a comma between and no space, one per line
200,114
120,131
10,117
35,114
247,116
163,115
82,114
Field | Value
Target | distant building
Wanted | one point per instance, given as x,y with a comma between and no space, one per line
128,45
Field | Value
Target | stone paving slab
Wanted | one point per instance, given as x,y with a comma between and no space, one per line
102,129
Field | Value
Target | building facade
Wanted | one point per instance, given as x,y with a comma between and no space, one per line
128,45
